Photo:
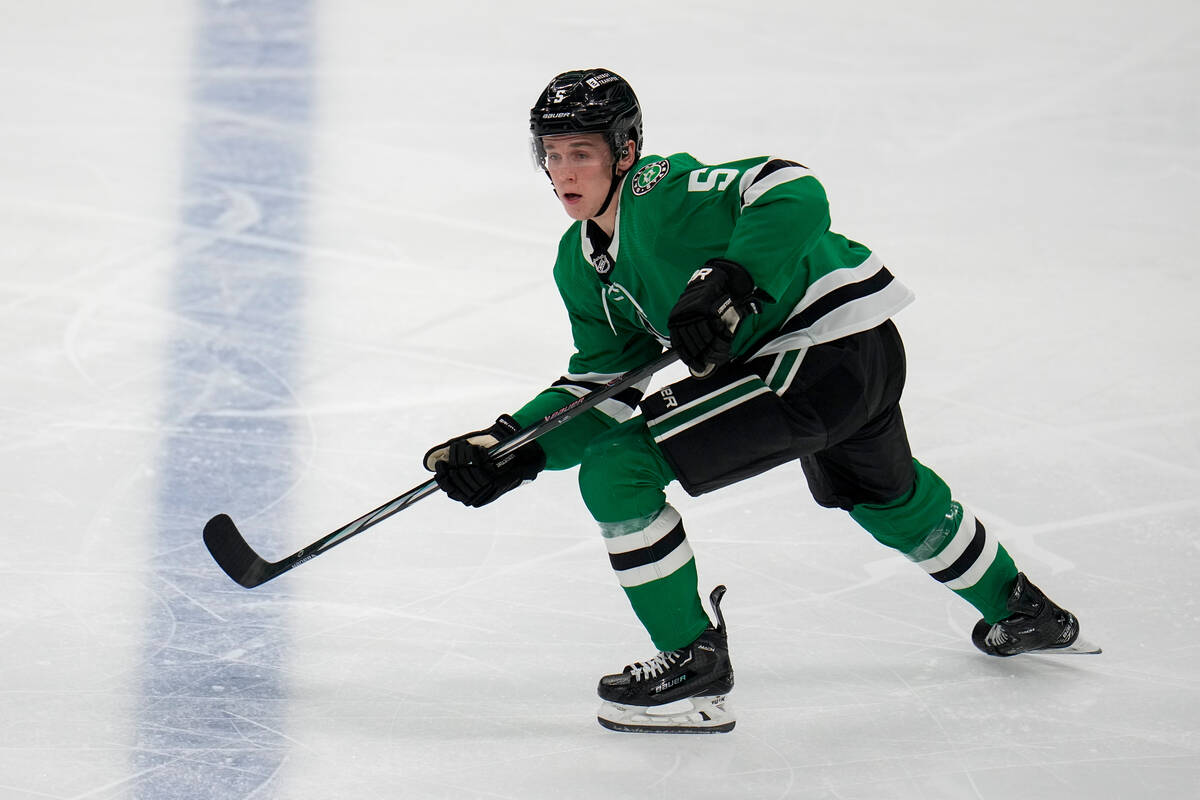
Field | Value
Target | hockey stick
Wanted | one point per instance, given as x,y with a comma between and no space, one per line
239,561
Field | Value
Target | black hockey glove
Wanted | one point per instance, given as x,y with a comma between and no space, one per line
466,473
706,316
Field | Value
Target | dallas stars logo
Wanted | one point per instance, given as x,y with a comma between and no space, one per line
648,176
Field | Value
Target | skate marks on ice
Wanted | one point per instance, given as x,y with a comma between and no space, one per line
213,701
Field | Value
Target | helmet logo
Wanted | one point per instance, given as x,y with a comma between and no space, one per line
596,81
648,176
560,95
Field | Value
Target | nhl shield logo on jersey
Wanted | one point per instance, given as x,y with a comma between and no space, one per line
603,264
648,176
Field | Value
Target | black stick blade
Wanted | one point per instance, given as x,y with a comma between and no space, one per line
232,554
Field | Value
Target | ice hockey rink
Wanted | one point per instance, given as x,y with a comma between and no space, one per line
256,256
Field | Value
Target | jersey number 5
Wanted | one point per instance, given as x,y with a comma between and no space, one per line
706,179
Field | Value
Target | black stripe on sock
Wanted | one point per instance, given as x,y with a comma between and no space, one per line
648,555
966,560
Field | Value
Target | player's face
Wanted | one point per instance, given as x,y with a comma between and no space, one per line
580,168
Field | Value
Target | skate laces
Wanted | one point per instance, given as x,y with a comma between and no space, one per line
643,670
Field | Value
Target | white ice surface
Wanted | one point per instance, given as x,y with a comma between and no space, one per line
1031,170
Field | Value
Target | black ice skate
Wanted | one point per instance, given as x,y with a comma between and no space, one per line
678,691
1035,625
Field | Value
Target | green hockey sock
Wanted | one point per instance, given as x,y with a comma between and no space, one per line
622,478
945,540
654,565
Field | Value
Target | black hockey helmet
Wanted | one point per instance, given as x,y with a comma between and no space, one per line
587,101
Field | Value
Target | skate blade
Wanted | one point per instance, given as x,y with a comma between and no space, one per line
1080,647
706,714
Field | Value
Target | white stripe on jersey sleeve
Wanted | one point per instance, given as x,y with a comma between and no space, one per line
592,377
613,407
752,188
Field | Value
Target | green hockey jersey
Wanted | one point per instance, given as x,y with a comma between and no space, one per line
674,213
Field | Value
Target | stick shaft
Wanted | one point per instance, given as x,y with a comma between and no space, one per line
552,421
235,556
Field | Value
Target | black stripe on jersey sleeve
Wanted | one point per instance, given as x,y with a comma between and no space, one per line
774,165
769,168
649,555
589,386
966,560
838,297
630,397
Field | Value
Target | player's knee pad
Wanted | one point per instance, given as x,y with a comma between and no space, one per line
623,474
905,523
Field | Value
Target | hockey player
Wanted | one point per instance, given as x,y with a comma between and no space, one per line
786,329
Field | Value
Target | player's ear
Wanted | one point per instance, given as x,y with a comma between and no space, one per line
628,159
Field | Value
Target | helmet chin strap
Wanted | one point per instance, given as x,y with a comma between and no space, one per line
612,190
612,187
